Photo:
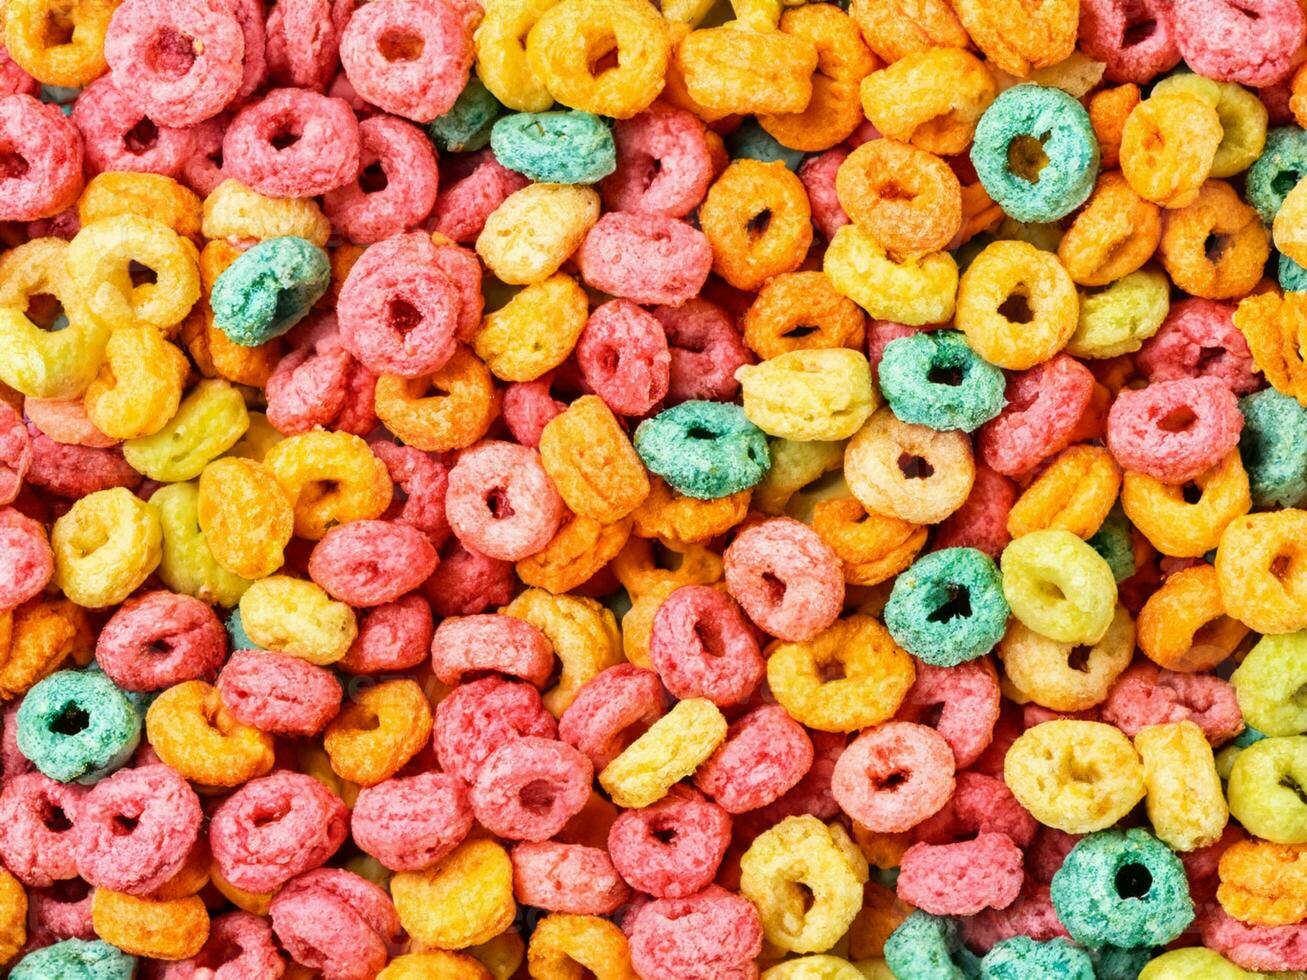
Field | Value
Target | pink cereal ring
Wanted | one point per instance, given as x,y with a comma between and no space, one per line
818,176
981,521
710,935
611,710
569,878
482,715
528,407
136,828
963,702
463,269
530,787
63,420
319,383
672,848
26,561
980,805
706,351
766,752
470,644
410,57
368,563
13,80
472,186
786,579
119,135
1044,405
880,334
396,155
623,356
663,163
38,822
409,823
393,636
961,878
1174,430
423,477
323,152
1032,914
1148,695
894,776
501,502
1199,339
254,63
279,694
1136,38
1252,42
336,922
75,471
41,150
239,947
180,61
466,581
645,258
159,639
15,453
275,827
302,44
1253,947
398,312
702,647
60,911
812,794
202,171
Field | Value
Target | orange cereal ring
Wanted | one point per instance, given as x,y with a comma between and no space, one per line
591,461
908,471
1183,625
732,70
678,520
802,311
1018,36
636,567
758,221
1114,234
450,409
37,638
1272,324
894,29
1215,247
1264,884
576,553
1168,143
931,98
1108,110
378,731
1075,493
1261,566
909,200
161,930
1177,526
873,547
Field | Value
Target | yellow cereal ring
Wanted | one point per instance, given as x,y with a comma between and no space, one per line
672,748
1186,804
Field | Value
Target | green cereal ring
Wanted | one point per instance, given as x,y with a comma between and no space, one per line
1273,445
269,289
936,380
1268,684
555,147
948,608
704,450
1277,171
1022,958
1123,887
1292,276
1115,543
466,126
929,947
1268,789
75,959
749,141
77,725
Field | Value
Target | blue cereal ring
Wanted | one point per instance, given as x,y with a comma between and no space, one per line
76,725
1273,446
75,959
269,289
948,608
1049,117
555,147
465,128
935,379
749,141
1022,958
1115,542
1123,888
1277,171
1292,276
704,450
929,947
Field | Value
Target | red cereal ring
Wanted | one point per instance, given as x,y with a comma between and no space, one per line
335,922
981,521
13,80
611,710
1198,339
1174,430
159,639
765,754
239,945
396,184
569,878
202,171
26,560
393,636
322,153
1135,38
501,502
673,848
646,258
1252,42
528,407
462,267
118,135
409,57
302,44
61,911
530,787
136,828
319,383
369,563
15,453
179,61
963,702
38,820
1044,406
663,163
254,63
409,823
706,352
275,827
713,933
701,647
505,644
980,805
788,581
76,471
482,715
466,581
41,151
894,776
961,878
623,356
818,176
398,312
423,477
472,186
1149,695
278,694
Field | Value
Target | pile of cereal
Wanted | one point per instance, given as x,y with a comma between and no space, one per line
653,489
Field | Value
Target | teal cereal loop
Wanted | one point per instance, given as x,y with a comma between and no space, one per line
75,959
269,289
704,450
1023,958
749,141
1291,276
937,380
1273,446
930,947
466,127
555,147
1277,171
948,608
1114,542
77,726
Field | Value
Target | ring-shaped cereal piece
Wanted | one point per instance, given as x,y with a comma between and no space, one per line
907,199
721,71
191,730
73,53
704,450
931,98
758,222
1167,147
935,379
1262,789
894,776
1174,430
1244,53
672,748
1172,524
1046,406
44,154
1135,39
1116,233
1075,493
1019,39
1266,683
914,291
268,289
948,608
77,726
1216,246
324,153
712,929
872,547
1057,585
450,409
894,33
562,945
1184,626
1262,572
1067,676
785,578
908,471
801,311
1282,164
1242,114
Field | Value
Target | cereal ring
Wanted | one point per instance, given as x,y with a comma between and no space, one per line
910,472
44,175
1186,805
894,776
76,957
159,639
1113,236
480,716
1167,148
462,900
1019,39
1246,55
936,380
1277,171
750,72
1234,263
931,97
278,694
1136,40
530,787
37,839
191,730
335,921
757,220
673,747
268,289
77,726
1176,527
567,878
323,156
914,291
948,608
1174,430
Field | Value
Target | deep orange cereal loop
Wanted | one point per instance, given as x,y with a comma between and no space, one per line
1261,566
378,731
894,29
591,461
566,947
678,520
450,409
758,221
931,98
873,547
1183,625
578,552
13,916
1108,109
161,930
1175,526
676,94
1215,247
330,478
1168,143
36,639
843,60
802,311
1264,884
636,567
1075,493
1115,233
191,730
737,71
1272,324
1018,36
909,200
190,878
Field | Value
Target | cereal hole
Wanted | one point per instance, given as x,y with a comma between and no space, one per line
400,44
57,28
890,782
169,53
373,178
1285,181
1293,786
141,137
914,467
1026,157
1178,419
710,640
498,504
1078,658
956,606
538,795
1214,246
123,825
938,375
774,588
70,721
54,819
45,311
800,330
401,315
12,164
1137,32
141,275
758,224
1016,308
1133,881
